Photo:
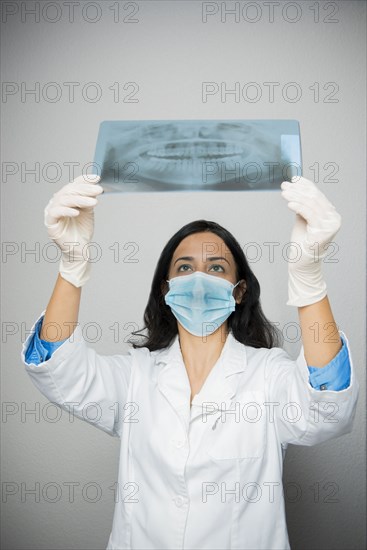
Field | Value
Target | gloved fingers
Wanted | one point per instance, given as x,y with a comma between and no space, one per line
75,201
54,214
299,182
297,196
304,182
67,205
312,212
82,190
86,185
85,179
85,225
81,186
320,205
322,231
305,188
299,229
324,213
330,225
303,210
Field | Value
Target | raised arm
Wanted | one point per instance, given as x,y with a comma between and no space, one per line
320,336
316,224
62,311
69,218
75,377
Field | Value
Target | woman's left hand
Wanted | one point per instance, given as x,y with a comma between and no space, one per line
316,224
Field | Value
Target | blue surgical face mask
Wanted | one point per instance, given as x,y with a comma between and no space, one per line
200,302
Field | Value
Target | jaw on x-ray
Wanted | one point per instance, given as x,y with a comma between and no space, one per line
197,155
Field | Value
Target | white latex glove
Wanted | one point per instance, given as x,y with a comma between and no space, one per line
69,218
316,224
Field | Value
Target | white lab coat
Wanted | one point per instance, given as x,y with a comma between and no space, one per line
183,484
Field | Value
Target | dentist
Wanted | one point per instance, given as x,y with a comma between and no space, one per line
206,405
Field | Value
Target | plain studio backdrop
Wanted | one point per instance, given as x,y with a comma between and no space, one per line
68,66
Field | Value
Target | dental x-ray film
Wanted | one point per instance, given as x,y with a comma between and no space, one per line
197,155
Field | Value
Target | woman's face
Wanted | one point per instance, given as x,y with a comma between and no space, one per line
208,253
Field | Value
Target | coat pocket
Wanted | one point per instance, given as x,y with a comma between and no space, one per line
239,430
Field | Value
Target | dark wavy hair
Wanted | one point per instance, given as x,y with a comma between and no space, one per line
247,322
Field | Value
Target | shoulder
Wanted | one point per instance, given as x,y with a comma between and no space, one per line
256,355
141,354
269,359
143,358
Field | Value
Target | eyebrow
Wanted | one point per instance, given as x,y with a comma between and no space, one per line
211,259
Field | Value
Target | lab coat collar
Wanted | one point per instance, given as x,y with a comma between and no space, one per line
173,353
219,388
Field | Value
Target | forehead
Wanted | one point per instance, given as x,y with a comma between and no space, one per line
203,245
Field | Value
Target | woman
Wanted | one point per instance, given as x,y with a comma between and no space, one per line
206,405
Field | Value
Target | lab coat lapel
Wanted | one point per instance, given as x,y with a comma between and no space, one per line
173,382
219,388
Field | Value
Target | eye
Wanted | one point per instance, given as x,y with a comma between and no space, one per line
220,266
183,266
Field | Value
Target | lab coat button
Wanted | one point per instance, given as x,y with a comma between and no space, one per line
179,501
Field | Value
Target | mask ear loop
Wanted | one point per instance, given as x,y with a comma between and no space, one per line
235,287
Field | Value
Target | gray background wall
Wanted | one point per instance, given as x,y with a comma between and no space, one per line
169,52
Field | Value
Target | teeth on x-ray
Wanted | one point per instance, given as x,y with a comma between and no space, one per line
199,155
202,150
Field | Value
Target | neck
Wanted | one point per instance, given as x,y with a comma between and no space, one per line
201,352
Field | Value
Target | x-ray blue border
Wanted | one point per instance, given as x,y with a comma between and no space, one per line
197,155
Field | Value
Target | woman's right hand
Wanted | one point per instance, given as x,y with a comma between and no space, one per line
69,218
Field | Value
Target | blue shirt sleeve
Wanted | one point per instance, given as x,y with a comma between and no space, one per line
335,375
40,350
